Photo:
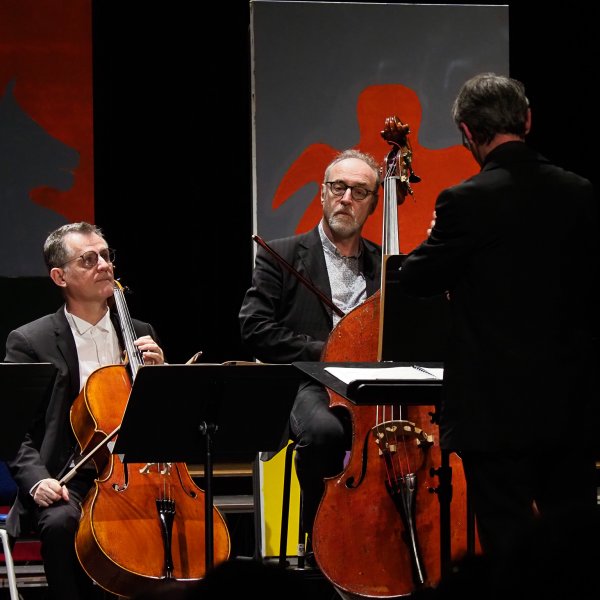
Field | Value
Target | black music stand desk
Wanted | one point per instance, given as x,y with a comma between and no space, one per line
415,329
188,413
23,387
382,390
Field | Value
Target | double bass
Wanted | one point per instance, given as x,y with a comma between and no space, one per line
141,524
377,528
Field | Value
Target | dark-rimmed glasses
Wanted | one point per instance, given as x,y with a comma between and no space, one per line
358,192
90,258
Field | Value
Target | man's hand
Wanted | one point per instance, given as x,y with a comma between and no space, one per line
49,491
151,351
432,224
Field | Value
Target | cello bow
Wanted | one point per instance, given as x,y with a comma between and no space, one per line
300,277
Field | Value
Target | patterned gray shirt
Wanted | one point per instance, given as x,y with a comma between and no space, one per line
348,284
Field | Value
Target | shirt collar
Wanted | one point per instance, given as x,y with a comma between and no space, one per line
82,326
329,245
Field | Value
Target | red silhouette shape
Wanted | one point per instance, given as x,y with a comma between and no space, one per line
438,169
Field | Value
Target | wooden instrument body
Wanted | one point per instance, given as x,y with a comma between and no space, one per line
120,540
377,531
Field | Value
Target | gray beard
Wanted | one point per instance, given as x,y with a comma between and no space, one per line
342,226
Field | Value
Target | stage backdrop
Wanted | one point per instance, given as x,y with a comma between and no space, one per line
326,75
324,78
46,153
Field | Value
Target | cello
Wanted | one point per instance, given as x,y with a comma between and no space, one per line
141,524
388,489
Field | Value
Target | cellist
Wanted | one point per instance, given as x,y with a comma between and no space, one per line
283,321
80,337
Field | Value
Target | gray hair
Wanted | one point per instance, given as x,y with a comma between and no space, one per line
490,104
352,153
55,251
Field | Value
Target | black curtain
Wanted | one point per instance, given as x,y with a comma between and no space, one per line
173,155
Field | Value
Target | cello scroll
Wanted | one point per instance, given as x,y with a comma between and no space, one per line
399,160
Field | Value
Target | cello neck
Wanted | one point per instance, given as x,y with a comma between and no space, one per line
134,355
396,186
390,240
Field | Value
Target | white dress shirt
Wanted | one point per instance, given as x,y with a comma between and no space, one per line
97,345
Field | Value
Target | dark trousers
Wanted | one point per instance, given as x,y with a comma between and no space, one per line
508,489
57,526
322,437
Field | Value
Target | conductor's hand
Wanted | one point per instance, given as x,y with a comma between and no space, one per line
432,224
49,491
151,351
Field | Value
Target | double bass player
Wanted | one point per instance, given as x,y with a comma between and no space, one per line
282,321
80,337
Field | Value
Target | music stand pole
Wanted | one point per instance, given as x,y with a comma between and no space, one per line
206,430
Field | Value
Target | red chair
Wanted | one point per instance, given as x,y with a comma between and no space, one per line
16,554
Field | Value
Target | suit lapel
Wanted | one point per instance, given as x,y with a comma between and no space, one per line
372,267
116,321
66,347
311,256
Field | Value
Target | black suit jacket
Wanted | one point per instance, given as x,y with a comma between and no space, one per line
281,320
49,445
515,245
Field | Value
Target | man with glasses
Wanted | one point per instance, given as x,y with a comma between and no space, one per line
283,321
83,335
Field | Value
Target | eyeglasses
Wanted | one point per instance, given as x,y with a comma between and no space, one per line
358,193
90,258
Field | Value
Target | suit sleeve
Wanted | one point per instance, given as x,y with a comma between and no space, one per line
27,467
265,317
433,266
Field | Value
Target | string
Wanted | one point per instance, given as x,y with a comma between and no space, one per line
394,438
136,359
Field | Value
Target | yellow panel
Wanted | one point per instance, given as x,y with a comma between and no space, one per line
271,496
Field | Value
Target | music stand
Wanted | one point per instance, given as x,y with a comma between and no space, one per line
202,409
23,387
415,329
412,392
